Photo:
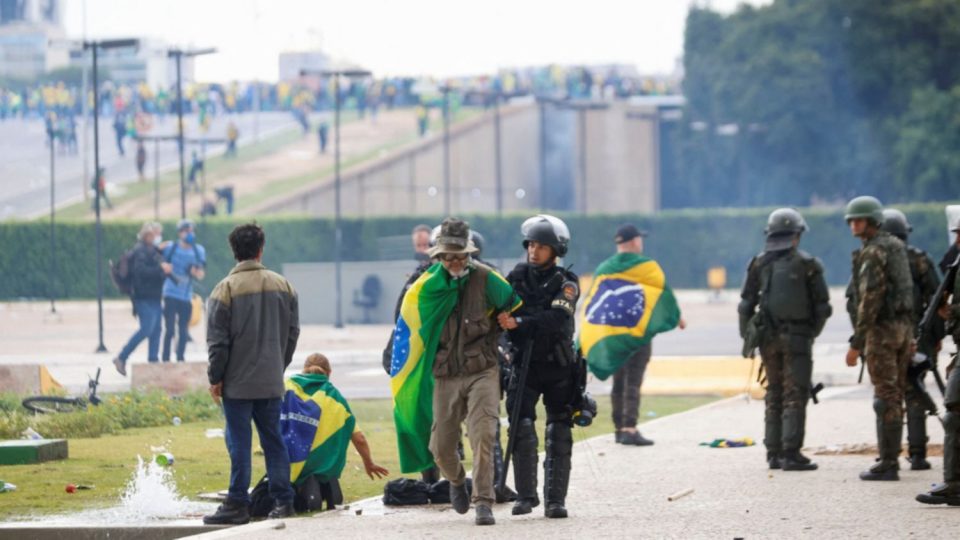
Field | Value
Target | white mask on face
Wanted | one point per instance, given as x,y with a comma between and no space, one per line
157,240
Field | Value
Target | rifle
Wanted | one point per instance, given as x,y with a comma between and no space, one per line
518,381
925,331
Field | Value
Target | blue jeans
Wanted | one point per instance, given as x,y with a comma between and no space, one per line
265,413
176,315
149,313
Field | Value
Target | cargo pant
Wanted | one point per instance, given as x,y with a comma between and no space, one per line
788,365
887,352
476,399
625,396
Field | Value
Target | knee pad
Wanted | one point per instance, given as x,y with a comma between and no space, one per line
951,420
559,417
880,406
560,438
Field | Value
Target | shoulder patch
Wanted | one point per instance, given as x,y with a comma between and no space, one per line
571,291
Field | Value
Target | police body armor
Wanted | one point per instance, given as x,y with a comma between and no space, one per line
542,290
788,299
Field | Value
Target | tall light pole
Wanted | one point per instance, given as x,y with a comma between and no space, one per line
338,233
94,46
53,241
178,55
446,89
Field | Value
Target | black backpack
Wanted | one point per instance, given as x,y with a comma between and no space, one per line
121,272
405,492
308,496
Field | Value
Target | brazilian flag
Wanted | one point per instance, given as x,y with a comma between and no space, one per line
316,424
628,303
426,306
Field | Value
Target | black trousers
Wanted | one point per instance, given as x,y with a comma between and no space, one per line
176,314
625,397
552,381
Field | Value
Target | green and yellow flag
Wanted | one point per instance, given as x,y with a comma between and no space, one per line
629,302
426,306
316,424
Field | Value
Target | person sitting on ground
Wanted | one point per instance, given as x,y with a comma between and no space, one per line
316,423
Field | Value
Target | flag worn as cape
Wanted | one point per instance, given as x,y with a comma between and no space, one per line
316,424
426,306
628,303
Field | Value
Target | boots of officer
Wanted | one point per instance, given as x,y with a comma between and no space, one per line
917,436
793,460
556,468
773,436
889,437
949,491
506,494
525,460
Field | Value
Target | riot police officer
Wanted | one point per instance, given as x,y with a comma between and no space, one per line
949,491
925,282
788,287
549,293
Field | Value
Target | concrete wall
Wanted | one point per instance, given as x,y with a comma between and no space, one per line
622,168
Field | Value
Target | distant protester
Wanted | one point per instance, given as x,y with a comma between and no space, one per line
147,272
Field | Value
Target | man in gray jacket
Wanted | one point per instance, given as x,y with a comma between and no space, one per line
252,330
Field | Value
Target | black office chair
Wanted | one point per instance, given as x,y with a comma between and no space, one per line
368,296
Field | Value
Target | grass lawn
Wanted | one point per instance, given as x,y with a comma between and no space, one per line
202,464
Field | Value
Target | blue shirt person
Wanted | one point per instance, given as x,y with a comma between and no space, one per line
188,259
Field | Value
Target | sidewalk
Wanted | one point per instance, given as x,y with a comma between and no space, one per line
621,492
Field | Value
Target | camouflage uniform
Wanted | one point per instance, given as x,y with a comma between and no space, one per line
883,298
794,308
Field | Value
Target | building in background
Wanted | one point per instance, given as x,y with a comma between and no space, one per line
147,62
291,62
27,28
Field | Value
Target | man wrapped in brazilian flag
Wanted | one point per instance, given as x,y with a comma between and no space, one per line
317,425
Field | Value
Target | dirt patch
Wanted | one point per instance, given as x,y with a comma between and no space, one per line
863,449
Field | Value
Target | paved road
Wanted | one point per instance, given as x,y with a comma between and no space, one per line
25,159
65,343
621,492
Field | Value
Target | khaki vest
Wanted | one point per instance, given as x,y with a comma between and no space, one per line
468,343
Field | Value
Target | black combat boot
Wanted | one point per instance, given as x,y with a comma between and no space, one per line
946,493
459,498
525,460
634,438
773,459
506,494
556,469
229,512
887,467
794,419
484,515
917,436
793,460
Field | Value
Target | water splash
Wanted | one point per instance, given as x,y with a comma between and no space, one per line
152,493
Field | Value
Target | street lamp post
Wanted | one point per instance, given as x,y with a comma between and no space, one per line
53,242
178,55
581,108
338,232
446,149
94,46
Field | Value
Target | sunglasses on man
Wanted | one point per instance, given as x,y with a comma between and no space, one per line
451,257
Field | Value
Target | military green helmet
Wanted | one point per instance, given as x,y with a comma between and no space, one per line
785,221
866,207
895,222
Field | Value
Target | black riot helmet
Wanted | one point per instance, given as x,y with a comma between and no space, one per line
547,230
478,243
785,221
895,222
